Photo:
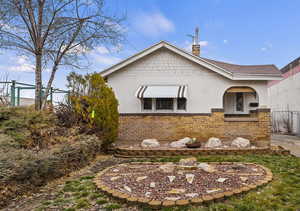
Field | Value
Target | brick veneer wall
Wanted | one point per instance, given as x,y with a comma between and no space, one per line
171,127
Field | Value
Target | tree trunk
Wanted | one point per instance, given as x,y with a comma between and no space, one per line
38,82
44,102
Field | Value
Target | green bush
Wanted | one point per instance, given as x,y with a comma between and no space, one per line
96,104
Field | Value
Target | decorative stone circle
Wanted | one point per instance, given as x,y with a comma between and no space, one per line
171,184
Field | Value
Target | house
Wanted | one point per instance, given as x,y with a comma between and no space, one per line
285,99
167,93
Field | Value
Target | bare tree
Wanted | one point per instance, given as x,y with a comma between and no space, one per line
4,90
56,32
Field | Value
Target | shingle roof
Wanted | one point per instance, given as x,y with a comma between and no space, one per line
246,69
291,65
231,71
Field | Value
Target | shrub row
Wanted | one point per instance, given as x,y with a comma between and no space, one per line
28,171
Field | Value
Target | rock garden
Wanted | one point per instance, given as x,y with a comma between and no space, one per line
180,183
191,146
187,142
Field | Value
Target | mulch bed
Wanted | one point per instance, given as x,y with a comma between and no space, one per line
149,183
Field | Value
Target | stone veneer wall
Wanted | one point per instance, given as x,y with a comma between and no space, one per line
171,127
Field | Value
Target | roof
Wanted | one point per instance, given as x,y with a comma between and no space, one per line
291,65
268,69
231,71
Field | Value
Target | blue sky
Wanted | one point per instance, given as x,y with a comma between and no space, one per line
236,31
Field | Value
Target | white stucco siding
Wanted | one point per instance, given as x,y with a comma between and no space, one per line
163,67
285,95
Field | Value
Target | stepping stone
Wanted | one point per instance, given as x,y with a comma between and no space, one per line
127,188
141,178
221,180
176,191
190,178
171,178
152,185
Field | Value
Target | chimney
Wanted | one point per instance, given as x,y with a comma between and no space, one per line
196,45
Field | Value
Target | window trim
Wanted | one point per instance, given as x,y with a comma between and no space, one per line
154,110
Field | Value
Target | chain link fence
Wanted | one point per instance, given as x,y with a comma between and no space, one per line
287,122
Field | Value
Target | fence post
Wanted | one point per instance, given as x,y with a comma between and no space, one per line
18,96
12,93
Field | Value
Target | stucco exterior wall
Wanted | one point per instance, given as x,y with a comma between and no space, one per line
285,94
205,87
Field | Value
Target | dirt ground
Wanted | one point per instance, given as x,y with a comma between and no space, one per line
291,143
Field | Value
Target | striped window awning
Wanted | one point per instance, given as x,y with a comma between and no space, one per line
162,91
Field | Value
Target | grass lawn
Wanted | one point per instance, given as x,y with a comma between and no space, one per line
283,193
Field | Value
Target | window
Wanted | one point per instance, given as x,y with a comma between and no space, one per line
181,103
239,101
164,104
147,105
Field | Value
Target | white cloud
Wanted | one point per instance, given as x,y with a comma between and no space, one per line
101,50
21,64
225,41
267,46
153,24
203,43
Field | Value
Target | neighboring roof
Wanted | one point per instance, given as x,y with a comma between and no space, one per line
231,71
291,65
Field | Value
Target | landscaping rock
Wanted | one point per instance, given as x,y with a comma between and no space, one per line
114,178
141,178
127,188
147,194
167,168
190,178
188,161
176,191
244,179
171,178
213,142
213,190
192,195
150,143
240,142
172,198
152,185
221,180
180,143
206,167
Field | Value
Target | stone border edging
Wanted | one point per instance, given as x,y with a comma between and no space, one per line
181,202
128,153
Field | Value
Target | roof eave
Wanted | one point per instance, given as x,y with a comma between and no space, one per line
259,77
